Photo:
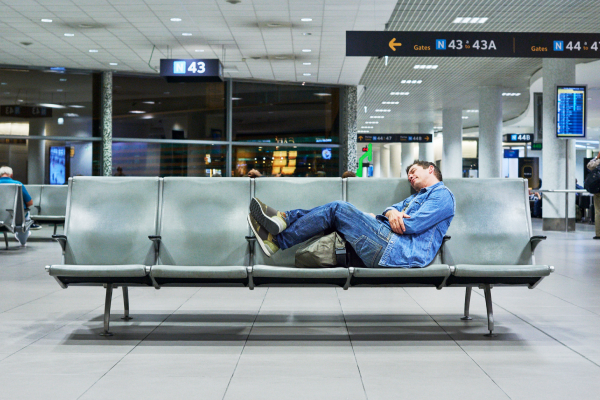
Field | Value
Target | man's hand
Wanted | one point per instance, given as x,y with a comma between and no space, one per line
372,215
396,219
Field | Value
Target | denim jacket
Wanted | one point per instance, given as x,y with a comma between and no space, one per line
430,215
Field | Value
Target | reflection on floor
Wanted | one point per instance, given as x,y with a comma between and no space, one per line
302,343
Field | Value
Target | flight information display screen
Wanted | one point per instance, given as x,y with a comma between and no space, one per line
571,111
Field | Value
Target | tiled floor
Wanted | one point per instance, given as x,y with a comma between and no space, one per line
302,343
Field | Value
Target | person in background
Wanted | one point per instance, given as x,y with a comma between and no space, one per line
349,174
253,173
6,176
592,165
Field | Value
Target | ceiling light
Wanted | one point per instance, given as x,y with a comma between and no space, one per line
307,63
75,106
148,102
469,20
457,20
20,100
63,79
472,111
382,110
60,121
399,93
175,19
46,20
236,98
306,19
363,132
376,116
93,51
418,66
414,81
367,127
482,20
186,34
307,74
69,34
322,94
113,64
137,112
199,51
390,102
372,122
306,33
59,90
71,115
50,105
465,117
511,94
306,50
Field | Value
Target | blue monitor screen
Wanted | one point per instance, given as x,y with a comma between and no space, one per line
58,170
570,111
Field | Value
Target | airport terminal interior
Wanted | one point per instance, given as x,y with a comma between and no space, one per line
121,114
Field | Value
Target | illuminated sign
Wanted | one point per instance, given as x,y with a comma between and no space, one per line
472,44
396,138
518,138
536,146
326,154
194,70
571,111
25,112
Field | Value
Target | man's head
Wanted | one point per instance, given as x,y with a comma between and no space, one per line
6,171
422,174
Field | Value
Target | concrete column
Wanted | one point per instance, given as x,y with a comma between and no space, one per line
106,123
490,132
426,149
348,104
452,145
408,155
36,153
556,152
396,160
376,162
385,161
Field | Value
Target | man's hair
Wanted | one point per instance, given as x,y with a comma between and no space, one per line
425,165
349,174
6,170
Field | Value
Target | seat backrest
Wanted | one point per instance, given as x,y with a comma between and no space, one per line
293,193
35,191
109,220
11,206
492,224
373,195
203,221
54,200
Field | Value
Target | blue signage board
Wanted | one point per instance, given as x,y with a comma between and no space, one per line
58,165
571,111
191,70
508,153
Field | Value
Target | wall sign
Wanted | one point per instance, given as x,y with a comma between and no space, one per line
517,138
472,44
571,111
396,138
25,112
191,70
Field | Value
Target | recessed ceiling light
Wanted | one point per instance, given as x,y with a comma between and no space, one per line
469,20
306,19
306,50
50,105
46,20
418,66
72,115
63,79
322,94
60,121
390,102
148,102
59,90
377,116
75,106
363,131
465,117
511,94
93,51
113,63
399,93
69,34
186,34
199,51
383,110
307,63
137,112
367,127
175,19
471,111
372,122
20,100
236,98
306,33
4,83
307,74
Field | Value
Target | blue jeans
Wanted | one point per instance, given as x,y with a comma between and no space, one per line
366,235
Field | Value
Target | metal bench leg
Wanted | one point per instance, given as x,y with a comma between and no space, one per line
109,290
467,304
126,317
6,239
55,226
487,290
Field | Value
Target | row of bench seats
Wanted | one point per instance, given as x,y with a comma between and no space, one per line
191,231
49,203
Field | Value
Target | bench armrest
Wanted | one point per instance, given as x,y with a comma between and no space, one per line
251,238
62,240
535,240
446,238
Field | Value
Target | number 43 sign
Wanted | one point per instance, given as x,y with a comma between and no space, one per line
194,70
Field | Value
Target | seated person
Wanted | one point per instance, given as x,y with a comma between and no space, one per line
536,197
407,234
6,176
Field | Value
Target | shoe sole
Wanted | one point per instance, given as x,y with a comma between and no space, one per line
259,240
263,219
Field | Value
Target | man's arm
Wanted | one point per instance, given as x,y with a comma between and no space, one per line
438,207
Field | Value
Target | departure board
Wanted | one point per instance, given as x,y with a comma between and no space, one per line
571,111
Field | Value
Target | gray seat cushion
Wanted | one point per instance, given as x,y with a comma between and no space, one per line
269,271
501,271
99,271
433,270
198,272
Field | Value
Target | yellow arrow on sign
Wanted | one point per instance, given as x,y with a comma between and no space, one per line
393,44
426,137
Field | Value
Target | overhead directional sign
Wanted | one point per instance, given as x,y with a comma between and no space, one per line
517,138
194,70
25,112
396,138
472,44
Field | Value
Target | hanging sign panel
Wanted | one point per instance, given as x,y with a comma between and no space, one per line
517,138
396,138
472,44
194,70
571,111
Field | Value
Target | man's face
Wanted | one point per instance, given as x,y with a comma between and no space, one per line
418,177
